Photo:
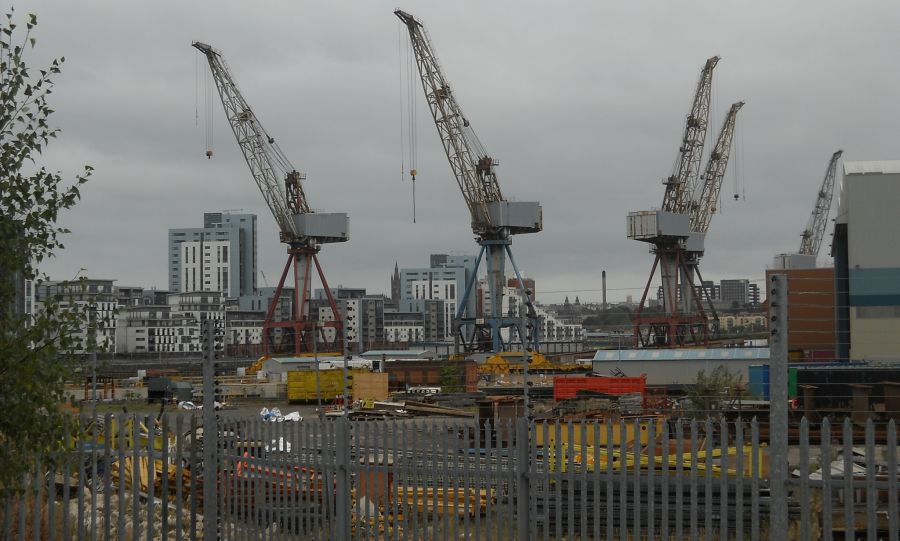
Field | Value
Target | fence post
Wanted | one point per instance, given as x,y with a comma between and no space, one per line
210,432
778,393
342,491
523,464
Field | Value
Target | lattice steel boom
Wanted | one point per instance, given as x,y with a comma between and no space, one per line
494,220
300,228
472,166
701,214
262,154
681,184
811,238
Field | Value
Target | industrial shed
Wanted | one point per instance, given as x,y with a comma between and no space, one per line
677,366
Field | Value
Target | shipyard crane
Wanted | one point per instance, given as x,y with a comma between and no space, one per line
668,231
811,238
704,203
680,186
303,230
494,219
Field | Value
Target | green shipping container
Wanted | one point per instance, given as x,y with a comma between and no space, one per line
792,383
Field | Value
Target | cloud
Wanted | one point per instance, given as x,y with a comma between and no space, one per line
582,103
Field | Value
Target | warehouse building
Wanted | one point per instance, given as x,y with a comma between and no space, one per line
677,366
866,253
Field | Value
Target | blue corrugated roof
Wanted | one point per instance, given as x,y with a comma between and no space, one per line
685,354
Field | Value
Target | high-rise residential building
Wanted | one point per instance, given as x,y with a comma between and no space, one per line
445,280
735,291
220,256
363,316
754,296
713,290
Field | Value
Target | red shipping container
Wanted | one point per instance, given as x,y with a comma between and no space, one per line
568,387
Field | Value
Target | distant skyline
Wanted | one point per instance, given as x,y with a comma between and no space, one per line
582,105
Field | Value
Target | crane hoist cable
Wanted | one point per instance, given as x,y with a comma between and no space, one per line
408,121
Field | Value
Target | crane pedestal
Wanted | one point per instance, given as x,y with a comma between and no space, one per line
683,320
484,334
298,332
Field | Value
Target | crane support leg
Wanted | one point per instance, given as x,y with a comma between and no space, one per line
297,333
338,323
675,326
532,339
301,302
268,339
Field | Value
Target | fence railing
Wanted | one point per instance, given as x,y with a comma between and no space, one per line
136,477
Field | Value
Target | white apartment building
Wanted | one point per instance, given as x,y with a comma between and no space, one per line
157,329
205,266
553,328
441,289
404,328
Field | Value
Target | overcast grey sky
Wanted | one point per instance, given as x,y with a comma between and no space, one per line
582,102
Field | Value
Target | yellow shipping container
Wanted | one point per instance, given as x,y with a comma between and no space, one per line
301,385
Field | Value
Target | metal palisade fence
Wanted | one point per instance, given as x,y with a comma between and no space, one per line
138,477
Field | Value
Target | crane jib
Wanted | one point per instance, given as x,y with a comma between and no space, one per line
278,181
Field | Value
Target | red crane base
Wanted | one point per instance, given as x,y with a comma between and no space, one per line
673,328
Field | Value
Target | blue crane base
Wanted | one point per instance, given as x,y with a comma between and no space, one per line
484,333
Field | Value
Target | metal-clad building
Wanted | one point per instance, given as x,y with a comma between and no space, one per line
677,366
811,312
867,261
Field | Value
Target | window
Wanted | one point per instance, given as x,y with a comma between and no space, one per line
225,254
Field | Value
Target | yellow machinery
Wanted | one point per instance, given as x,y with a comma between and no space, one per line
510,362
585,457
546,433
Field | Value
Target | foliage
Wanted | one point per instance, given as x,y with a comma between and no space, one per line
37,350
616,316
712,392
451,379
